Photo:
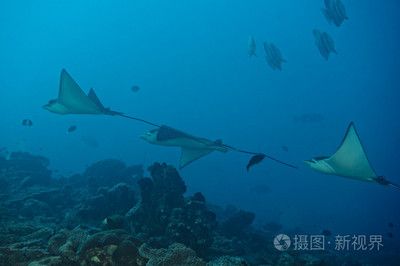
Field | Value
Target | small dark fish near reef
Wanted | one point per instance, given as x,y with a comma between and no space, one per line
135,88
27,123
255,160
71,129
113,222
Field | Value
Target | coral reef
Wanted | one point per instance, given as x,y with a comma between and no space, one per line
116,200
23,170
228,261
113,215
237,223
164,216
110,172
175,254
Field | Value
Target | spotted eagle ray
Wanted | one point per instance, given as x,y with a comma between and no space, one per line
72,100
193,148
350,161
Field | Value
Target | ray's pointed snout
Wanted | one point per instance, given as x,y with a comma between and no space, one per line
49,104
146,136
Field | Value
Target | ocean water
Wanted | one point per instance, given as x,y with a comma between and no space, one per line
190,60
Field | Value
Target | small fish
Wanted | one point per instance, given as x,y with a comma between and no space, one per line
113,222
285,148
273,56
390,235
255,160
135,88
390,224
71,129
334,12
324,43
27,122
251,47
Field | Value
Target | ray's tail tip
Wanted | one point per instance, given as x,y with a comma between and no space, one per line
395,186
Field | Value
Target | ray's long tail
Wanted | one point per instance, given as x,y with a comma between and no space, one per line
137,119
383,181
394,185
255,159
258,157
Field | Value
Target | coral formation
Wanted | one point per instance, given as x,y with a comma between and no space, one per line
175,254
112,215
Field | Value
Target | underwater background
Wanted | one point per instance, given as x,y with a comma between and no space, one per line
190,60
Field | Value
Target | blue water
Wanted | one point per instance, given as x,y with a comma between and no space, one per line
190,60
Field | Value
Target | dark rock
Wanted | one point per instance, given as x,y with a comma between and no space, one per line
163,216
193,225
113,247
43,234
285,259
20,256
116,200
32,208
104,238
110,172
236,224
66,244
23,170
198,197
56,241
159,196
126,253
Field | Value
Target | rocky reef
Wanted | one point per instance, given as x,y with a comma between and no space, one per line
112,214
163,216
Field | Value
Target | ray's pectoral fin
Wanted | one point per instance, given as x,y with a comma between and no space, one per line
92,96
349,160
73,98
189,155
107,111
